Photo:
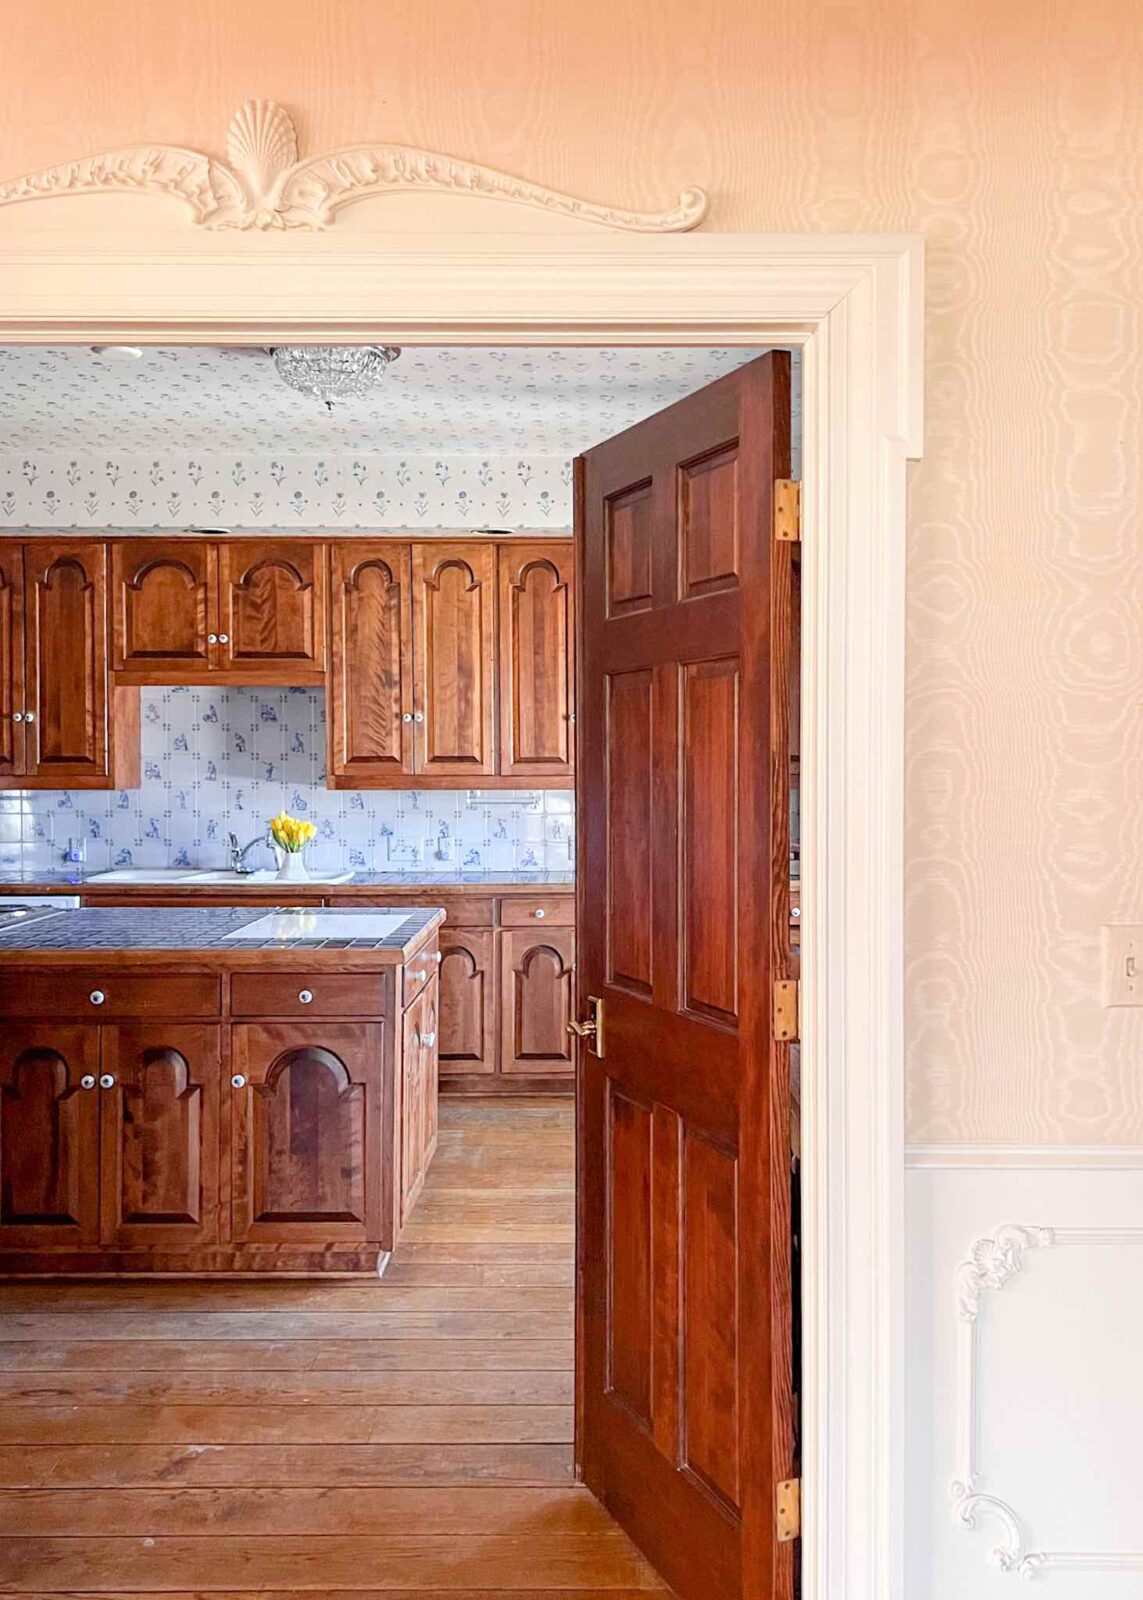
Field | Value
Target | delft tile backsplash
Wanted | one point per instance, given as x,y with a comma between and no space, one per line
216,760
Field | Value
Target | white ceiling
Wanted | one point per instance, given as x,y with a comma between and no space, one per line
462,401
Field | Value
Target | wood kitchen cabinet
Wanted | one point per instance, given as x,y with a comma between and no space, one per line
536,997
306,1132
49,1135
418,1094
65,726
369,703
454,671
468,1002
159,1152
197,610
537,659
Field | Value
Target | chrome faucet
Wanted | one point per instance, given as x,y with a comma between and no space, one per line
238,852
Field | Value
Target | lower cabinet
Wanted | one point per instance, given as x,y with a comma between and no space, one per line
159,1153
418,1094
536,983
468,1001
49,1135
306,1133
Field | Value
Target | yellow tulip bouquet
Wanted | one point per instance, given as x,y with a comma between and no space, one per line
291,835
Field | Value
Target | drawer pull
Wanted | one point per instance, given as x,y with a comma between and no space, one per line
87,1081
539,912
429,1040
107,1080
29,716
238,1081
224,638
97,997
17,716
212,638
407,716
418,716
306,996
438,957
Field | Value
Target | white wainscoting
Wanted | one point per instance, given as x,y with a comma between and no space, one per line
1024,1375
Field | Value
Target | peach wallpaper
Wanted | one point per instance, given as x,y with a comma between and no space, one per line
1009,133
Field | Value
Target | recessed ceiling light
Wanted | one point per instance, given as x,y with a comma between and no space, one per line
129,352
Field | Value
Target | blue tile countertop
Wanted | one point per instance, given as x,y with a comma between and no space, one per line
211,929
15,881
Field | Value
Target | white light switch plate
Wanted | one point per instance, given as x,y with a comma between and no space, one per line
1122,965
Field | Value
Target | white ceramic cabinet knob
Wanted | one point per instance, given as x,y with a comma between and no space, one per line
87,1081
306,996
238,1081
97,997
539,912
430,1040
212,638
107,1080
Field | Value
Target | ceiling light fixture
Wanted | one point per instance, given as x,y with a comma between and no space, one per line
333,371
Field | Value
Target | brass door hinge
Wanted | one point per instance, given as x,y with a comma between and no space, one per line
789,1510
787,510
785,1009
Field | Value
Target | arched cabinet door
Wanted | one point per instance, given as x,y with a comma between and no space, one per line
306,1133
163,608
370,694
66,689
12,733
536,1000
537,660
49,1136
467,1001
272,610
159,1135
454,610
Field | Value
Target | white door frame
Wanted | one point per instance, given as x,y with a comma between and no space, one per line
855,306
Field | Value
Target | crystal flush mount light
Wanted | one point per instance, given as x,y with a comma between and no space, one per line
333,371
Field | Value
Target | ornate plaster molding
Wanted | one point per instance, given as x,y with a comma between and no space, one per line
266,187
991,1264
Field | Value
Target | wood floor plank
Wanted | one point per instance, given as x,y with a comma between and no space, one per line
289,1355
345,1387
523,1512
287,1424
385,1297
553,1560
238,1466
368,1325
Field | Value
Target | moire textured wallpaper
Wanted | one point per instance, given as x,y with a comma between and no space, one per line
1011,137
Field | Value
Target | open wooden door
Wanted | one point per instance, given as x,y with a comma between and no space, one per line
686,1424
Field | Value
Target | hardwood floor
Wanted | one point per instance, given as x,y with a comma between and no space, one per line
408,1439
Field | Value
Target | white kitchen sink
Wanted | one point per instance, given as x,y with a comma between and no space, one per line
171,875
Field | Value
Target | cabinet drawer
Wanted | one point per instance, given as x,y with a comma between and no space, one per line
525,911
419,970
103,994
307,994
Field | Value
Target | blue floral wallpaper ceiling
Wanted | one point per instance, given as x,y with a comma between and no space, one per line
196,437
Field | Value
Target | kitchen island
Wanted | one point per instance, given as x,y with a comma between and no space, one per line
214,1090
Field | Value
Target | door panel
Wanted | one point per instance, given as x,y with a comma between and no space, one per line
12,702
536,1000
159,1135
370,694
454,605
467,1001
49,1135
66,654
307,1132
418,1095
686,1420
537,660
163,603
272,610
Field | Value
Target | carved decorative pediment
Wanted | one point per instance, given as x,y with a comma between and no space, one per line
263,184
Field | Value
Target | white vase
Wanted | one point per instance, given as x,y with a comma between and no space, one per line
293,868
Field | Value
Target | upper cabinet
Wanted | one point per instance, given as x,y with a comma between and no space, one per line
369,703
454,652
65,728
537,660
272,611
187,610
164,620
